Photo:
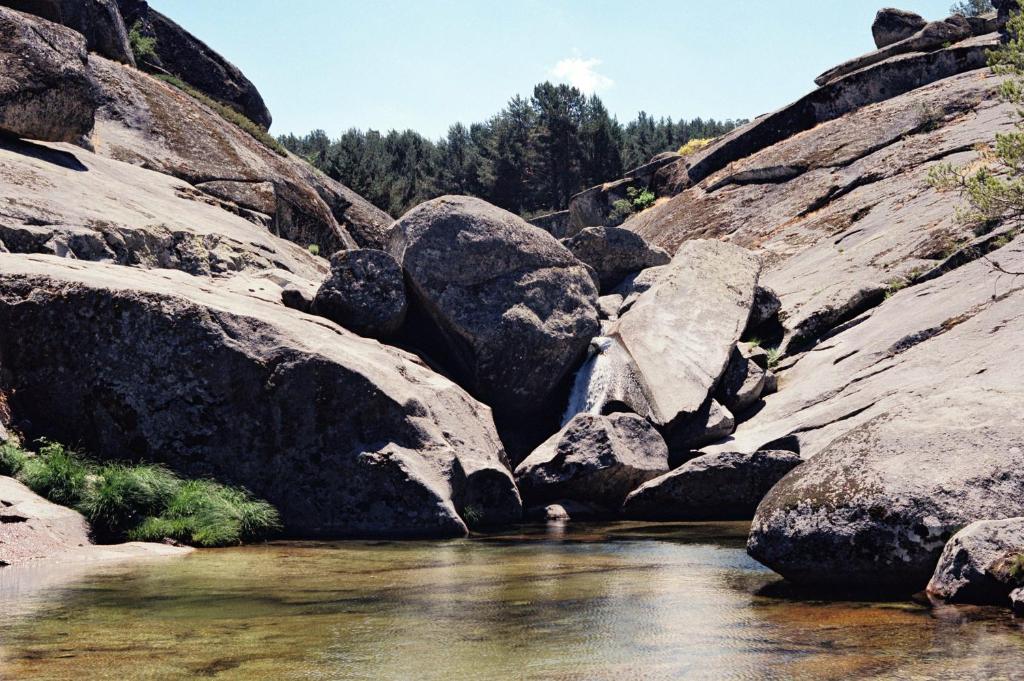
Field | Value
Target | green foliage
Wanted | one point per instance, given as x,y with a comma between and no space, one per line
1015,568
530,158
227,113
473,515
314,249
56,473
694,145
143,46
972,8
994,187
142,502
621,211
640,199
774,357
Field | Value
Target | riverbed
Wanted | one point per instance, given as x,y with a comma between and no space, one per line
612,601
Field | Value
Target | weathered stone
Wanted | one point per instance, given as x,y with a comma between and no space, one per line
635,285
681,332
596,459
555,224
182,54
725,486
614,253
1017,602
608,306
876,507
514,306
147,122
893,25
98,20
365,293
982,563
710,423
297,297
766,307
741,384
345,436
45,90
568,509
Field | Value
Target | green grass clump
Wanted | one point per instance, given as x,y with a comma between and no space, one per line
141,502
774,356
314,249
143,46
227,113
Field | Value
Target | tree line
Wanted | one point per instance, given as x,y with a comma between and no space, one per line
529,159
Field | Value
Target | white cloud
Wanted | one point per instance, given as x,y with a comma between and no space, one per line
582,73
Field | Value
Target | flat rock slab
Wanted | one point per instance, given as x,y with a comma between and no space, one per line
343,435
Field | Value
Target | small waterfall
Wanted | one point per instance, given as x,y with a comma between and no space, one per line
608,381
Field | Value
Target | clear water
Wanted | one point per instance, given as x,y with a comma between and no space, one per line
621,601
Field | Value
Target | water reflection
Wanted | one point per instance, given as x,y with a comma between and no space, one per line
621,601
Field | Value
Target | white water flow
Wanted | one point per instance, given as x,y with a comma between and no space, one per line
607,376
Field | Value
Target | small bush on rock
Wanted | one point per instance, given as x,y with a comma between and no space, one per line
143,46
695,145
12,459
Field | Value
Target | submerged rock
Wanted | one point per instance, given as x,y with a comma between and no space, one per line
45,92
516,310
594,459
725,486
982,563
614,253
365,293
345,436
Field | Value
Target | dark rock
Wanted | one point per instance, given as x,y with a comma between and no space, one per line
725,486
45,92
344,435
614,253
710,423
742,383
365,293
98,20
1017,602
594,459
875,508
609,306
766,307
592,207
635,285
984,24
515,308
297,298
893,25
555,224
982,563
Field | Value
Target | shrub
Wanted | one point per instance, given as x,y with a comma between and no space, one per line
12,459
621,210
774,356
55,473
227,113
640,199
972,8
695,145
314,249
143,46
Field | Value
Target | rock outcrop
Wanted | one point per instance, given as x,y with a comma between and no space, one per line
99,21
515,309
365,293
45,89
982,563
345,436
893,25
593,459
725,486
614,253
182,54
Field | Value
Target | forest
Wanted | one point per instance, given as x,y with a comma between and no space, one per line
530,158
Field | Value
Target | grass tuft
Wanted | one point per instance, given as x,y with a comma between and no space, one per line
56,473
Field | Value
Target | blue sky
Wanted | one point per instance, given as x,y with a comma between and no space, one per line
336,64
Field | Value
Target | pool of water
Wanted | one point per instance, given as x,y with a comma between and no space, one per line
618,601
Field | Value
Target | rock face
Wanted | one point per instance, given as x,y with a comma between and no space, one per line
515,308
982,563
184,55
98,20
742,383
614,253
597,459
875,508
725,486
343,435
365,293
682,331
147,122
45,89
893,25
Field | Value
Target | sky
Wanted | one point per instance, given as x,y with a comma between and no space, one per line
425,64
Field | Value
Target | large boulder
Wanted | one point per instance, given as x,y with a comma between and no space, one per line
594,459
876,507
982,563
98,20
45,89
365,293
516,310
614,253
344,435
743,381
725,486
682,331
893,25
182,54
